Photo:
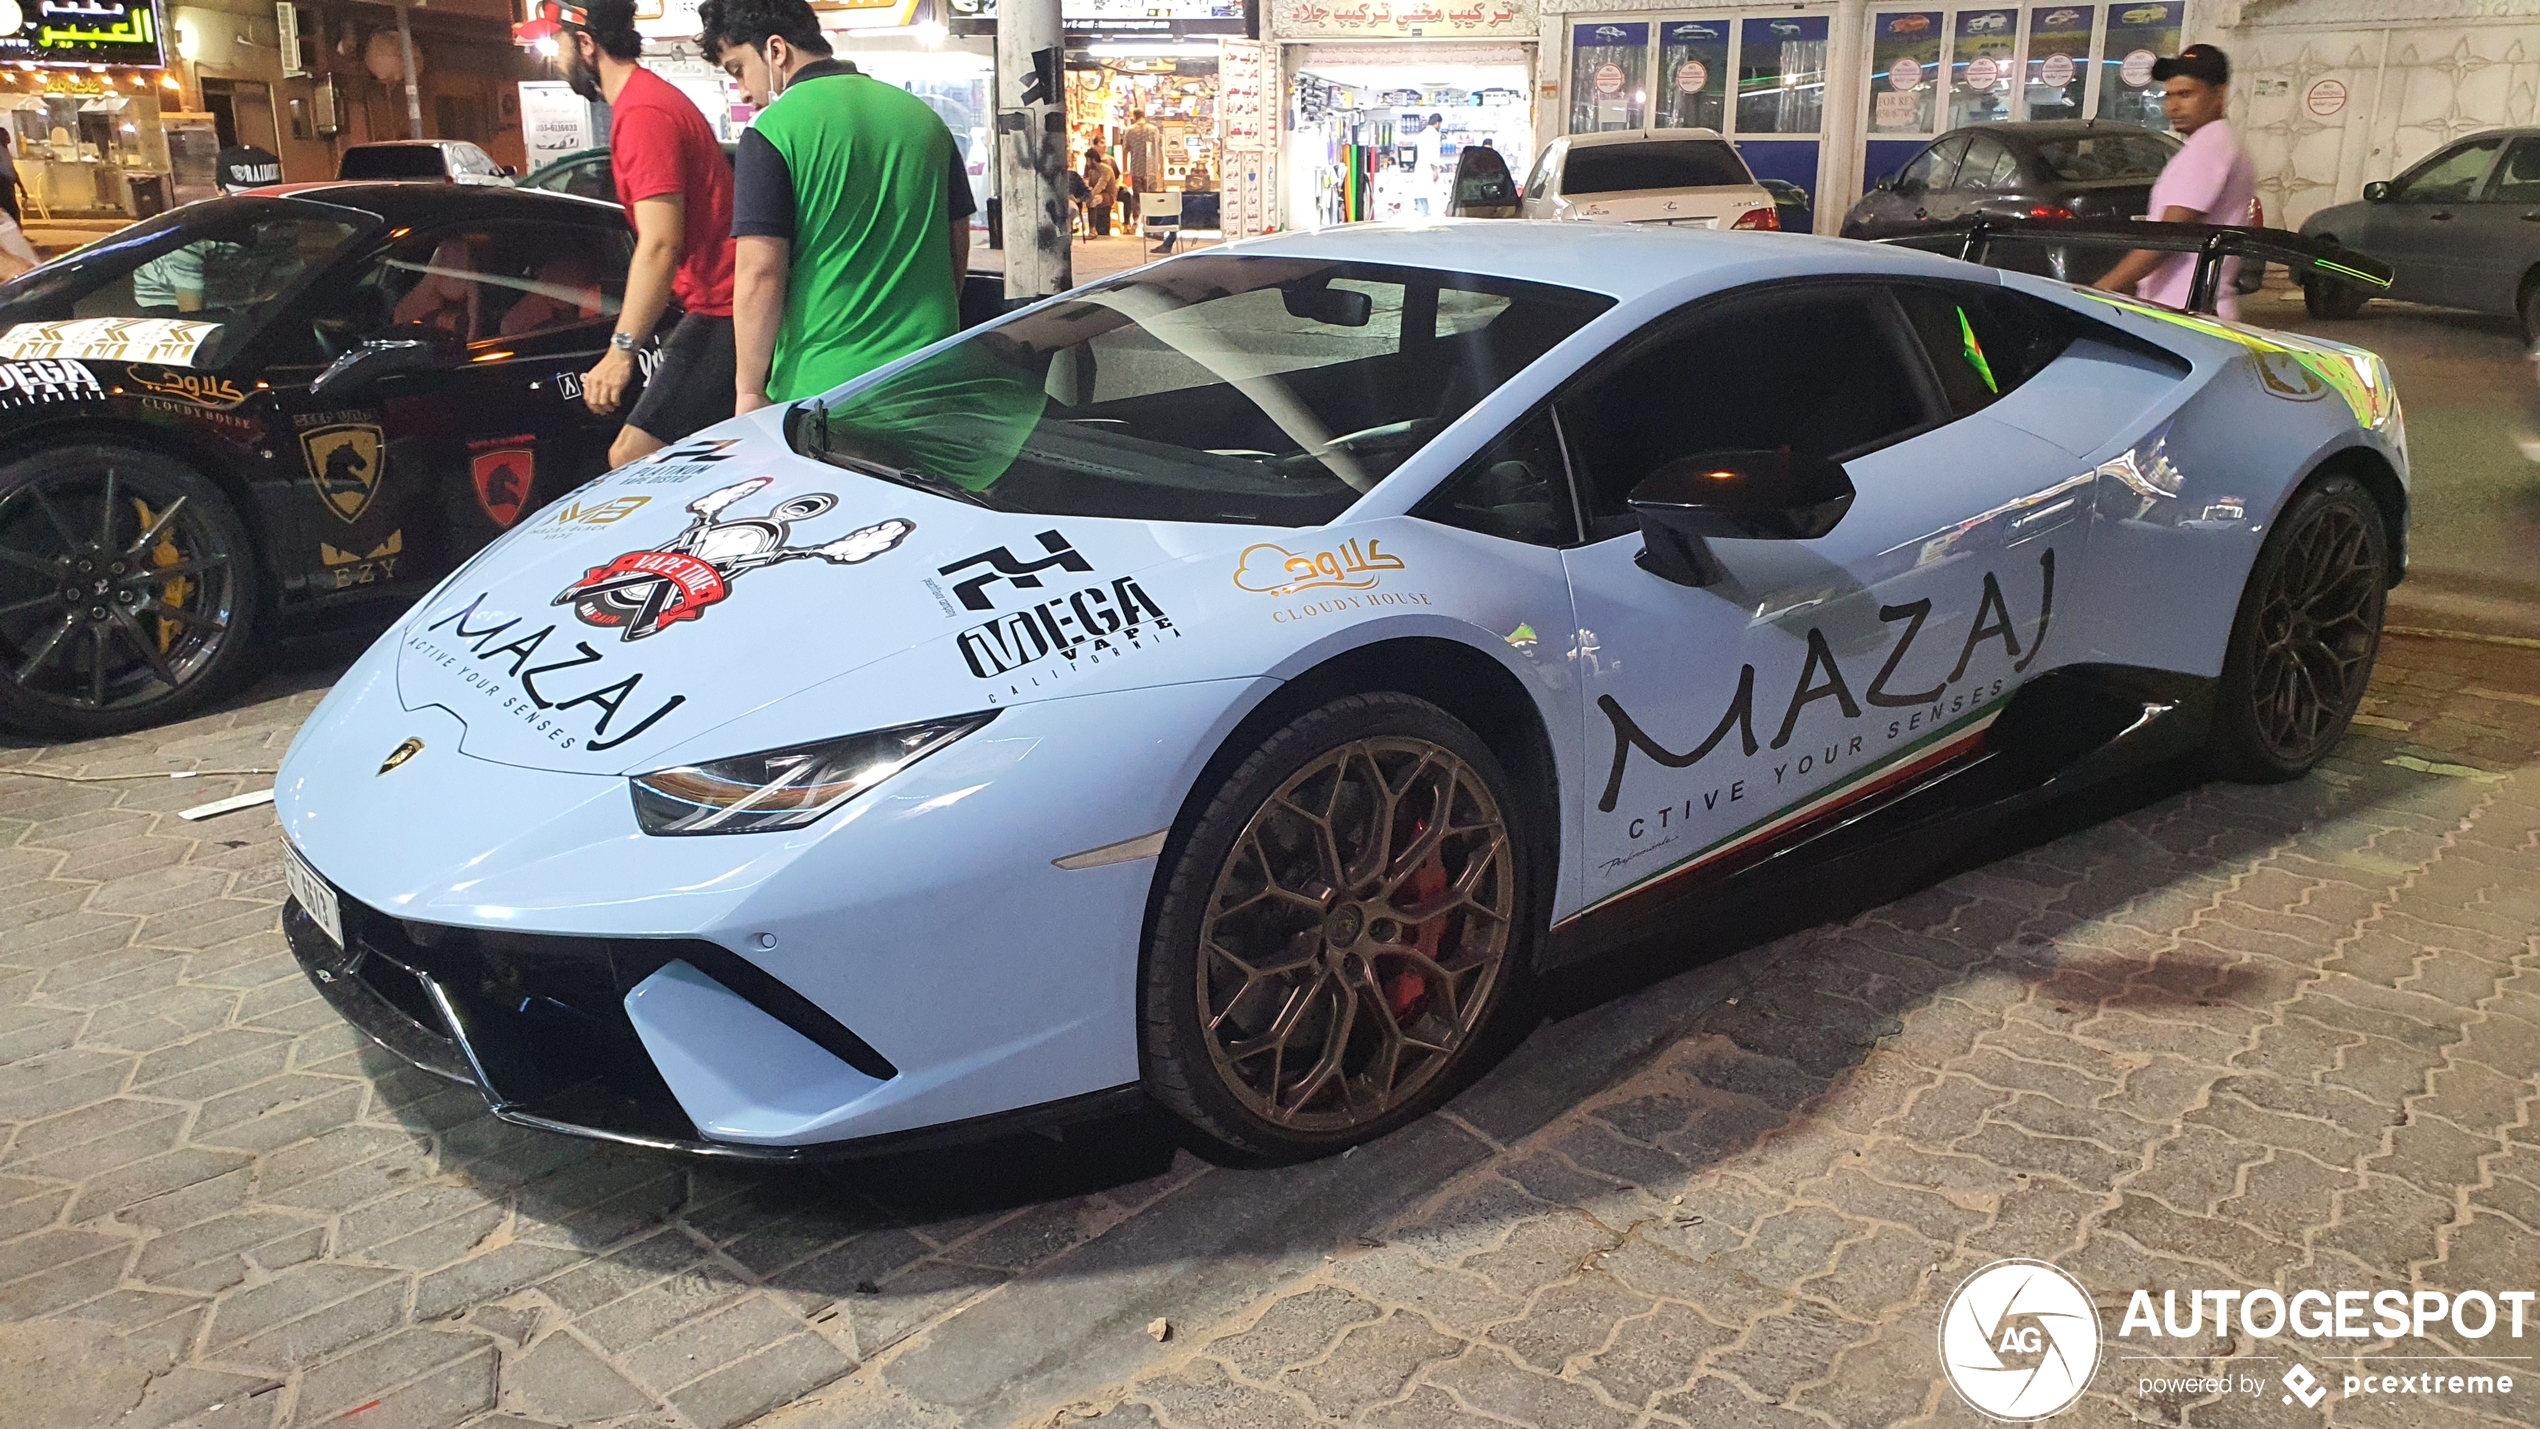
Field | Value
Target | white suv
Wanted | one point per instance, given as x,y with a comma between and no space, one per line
1690,178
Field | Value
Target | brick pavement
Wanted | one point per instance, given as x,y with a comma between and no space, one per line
2243,1037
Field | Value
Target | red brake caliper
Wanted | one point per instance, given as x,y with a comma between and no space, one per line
1407,991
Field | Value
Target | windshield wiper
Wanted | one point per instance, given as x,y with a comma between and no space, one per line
898,476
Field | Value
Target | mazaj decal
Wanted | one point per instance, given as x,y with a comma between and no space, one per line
642,591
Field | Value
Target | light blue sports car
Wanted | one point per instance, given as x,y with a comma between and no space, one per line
1232,684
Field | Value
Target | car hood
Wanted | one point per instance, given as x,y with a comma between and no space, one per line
624,624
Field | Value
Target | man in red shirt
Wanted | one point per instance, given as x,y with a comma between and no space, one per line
677,189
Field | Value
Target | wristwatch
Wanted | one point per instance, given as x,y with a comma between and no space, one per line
622,342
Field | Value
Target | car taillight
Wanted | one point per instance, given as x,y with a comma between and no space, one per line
2050,210
1760,219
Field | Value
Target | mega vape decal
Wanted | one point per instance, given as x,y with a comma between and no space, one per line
1041,642
1821,678
1018,571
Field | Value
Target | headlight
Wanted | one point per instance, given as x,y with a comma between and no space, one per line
786,788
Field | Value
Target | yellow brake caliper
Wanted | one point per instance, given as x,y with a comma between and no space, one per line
173,591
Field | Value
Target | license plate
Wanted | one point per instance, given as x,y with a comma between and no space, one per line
313,895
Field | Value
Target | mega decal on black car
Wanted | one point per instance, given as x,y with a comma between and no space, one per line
61,380
640,592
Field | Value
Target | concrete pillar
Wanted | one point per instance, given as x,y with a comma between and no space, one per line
1032,147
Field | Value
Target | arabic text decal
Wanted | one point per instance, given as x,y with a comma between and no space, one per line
1265,569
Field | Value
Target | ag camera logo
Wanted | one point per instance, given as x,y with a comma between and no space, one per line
2019,1341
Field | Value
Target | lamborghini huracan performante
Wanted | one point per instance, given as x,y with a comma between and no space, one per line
1234,684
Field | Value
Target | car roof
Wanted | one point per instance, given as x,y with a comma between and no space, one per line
1638,136
418,201
1623,261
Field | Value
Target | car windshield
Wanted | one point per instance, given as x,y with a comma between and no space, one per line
2091,158
392,161
1660,164
1214,388
215,273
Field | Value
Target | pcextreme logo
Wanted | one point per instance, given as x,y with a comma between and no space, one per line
2019,1341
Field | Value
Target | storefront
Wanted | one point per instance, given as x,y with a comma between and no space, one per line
1361,85
1760,79
1931,71
81,106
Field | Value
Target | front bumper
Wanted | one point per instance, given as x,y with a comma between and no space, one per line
539,1026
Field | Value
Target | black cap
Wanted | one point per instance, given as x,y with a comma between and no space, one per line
2196,62
244,166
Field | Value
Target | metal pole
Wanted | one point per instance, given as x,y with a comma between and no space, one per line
414,96
1032,148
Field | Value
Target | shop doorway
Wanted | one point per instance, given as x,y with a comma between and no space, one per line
242,113
1365,146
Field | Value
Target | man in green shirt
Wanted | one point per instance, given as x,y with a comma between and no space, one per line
850,211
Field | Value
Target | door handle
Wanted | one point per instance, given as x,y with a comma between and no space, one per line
2439,218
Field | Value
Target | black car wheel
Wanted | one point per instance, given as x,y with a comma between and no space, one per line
127,591
2330,299
1343,935
2303,643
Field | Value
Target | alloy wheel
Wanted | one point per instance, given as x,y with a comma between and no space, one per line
114,591
1356,934
2317,627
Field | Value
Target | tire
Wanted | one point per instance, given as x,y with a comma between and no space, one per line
2330,300
128,591
1342,979
2303,642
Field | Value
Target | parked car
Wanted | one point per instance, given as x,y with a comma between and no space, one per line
2460,229
450,161
1196,690
586,174
1685,178
2053,168
273,413
1792,207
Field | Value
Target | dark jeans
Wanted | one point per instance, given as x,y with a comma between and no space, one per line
1099,215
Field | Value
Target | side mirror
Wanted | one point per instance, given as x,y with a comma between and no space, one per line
356,370
2376,191
1773,495
1338,307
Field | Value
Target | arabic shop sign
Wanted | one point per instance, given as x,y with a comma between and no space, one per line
82,32
1153,19
1401,19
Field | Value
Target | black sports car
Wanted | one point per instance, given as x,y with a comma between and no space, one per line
279,410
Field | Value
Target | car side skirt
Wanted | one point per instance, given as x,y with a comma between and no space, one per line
2064,731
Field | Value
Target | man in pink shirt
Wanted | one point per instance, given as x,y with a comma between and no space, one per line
2208,181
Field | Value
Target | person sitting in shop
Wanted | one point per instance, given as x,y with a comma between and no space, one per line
1102,186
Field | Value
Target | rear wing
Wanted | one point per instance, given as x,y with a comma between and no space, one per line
1975,240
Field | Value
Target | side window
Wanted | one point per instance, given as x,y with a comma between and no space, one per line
1982,342
1542,176
2518,178
489,286
1988,165
2449,177
1823,370
1933,168
1515,488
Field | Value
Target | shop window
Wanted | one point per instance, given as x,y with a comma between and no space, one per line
2450,177
2518,181
1820,369
2138,35
1609,79
2058,60
1693,73
1989,165
1904,71
1980,69
1781,75
1516,489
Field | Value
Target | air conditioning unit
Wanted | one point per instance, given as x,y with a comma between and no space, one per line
286,25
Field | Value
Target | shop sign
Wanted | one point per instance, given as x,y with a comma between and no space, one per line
1691,77
2056,71
2326,97
2136,71
1401,19
83,32
1609,79
1905,74
1084,19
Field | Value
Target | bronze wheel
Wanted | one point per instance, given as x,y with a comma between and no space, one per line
1343,924
2309,626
